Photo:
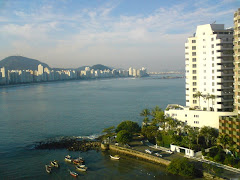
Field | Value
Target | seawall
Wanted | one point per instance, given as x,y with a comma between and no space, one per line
140,155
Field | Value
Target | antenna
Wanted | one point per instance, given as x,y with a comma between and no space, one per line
214,22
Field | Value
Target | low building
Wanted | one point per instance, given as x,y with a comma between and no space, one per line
195,117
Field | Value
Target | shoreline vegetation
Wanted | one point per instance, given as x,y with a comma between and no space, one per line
130,139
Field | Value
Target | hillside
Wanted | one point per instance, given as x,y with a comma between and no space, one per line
21,63
95,67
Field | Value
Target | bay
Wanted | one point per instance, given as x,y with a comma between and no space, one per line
35,112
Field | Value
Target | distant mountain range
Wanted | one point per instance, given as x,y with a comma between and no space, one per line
24,63
21,63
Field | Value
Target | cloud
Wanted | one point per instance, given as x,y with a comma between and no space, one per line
97,33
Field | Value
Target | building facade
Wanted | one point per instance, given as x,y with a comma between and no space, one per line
209,68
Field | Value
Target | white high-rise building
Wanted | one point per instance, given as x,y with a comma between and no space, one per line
40,69
209,68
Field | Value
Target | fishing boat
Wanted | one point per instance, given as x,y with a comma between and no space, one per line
74,174
68,158
79,160
81,167
116,157
54,163
48,168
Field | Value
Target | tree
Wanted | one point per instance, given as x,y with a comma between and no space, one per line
224,140
150,132
207,97
145,112
156,109
198,95
212,97
182,167
124,136
209,134
130,126
109,131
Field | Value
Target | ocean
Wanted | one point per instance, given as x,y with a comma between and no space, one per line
36,112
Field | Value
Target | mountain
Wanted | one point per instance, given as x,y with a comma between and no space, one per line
21,63
95,67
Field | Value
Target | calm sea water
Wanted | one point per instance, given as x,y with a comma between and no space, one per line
31,113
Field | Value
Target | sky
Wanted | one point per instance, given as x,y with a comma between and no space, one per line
116,33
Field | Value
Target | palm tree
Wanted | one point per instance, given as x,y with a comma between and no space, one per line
156,109
224,140
207,97
212,97
145,112
198,95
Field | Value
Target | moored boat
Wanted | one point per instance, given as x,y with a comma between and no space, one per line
116,157
48,168
81,168
74,174
54,163
79,160
68,158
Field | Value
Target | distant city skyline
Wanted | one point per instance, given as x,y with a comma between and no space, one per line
118,33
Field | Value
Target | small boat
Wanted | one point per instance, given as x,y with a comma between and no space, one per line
74,174
54,163
68,158
48,168
79,160
81,168
116,157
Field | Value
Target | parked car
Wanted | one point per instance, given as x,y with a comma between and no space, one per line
148,151
169,151
158,155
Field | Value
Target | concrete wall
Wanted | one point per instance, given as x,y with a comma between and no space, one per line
140,155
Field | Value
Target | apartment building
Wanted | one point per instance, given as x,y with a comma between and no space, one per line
209,68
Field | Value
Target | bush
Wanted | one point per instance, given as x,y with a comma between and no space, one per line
124,136
219,157
184,168
130,126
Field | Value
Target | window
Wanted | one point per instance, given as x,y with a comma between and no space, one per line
203,39
194,89
213,58
193,53
194,101
193,47
194,65
203,33
204,77
193,41
212,71
194,60
185,115
212,77
205,83
194,71
212,83
212,64
194,77
212,39
212,45
213,91
212,52
204,46
194,83
204,71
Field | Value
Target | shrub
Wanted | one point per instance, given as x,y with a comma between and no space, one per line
124,136
130,126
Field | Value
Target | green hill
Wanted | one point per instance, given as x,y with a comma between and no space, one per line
95,67
21,63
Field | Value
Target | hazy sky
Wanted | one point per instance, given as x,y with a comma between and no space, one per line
116,33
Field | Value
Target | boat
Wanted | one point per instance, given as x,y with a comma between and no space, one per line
81,167
74,174
48,168
116,157
79,160
54,163
68,158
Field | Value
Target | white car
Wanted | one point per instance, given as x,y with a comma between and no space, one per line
158,155
148,151
169,151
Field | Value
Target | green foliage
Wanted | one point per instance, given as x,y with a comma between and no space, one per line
150,132
130,126
183,167
124,136
109,131
163,139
